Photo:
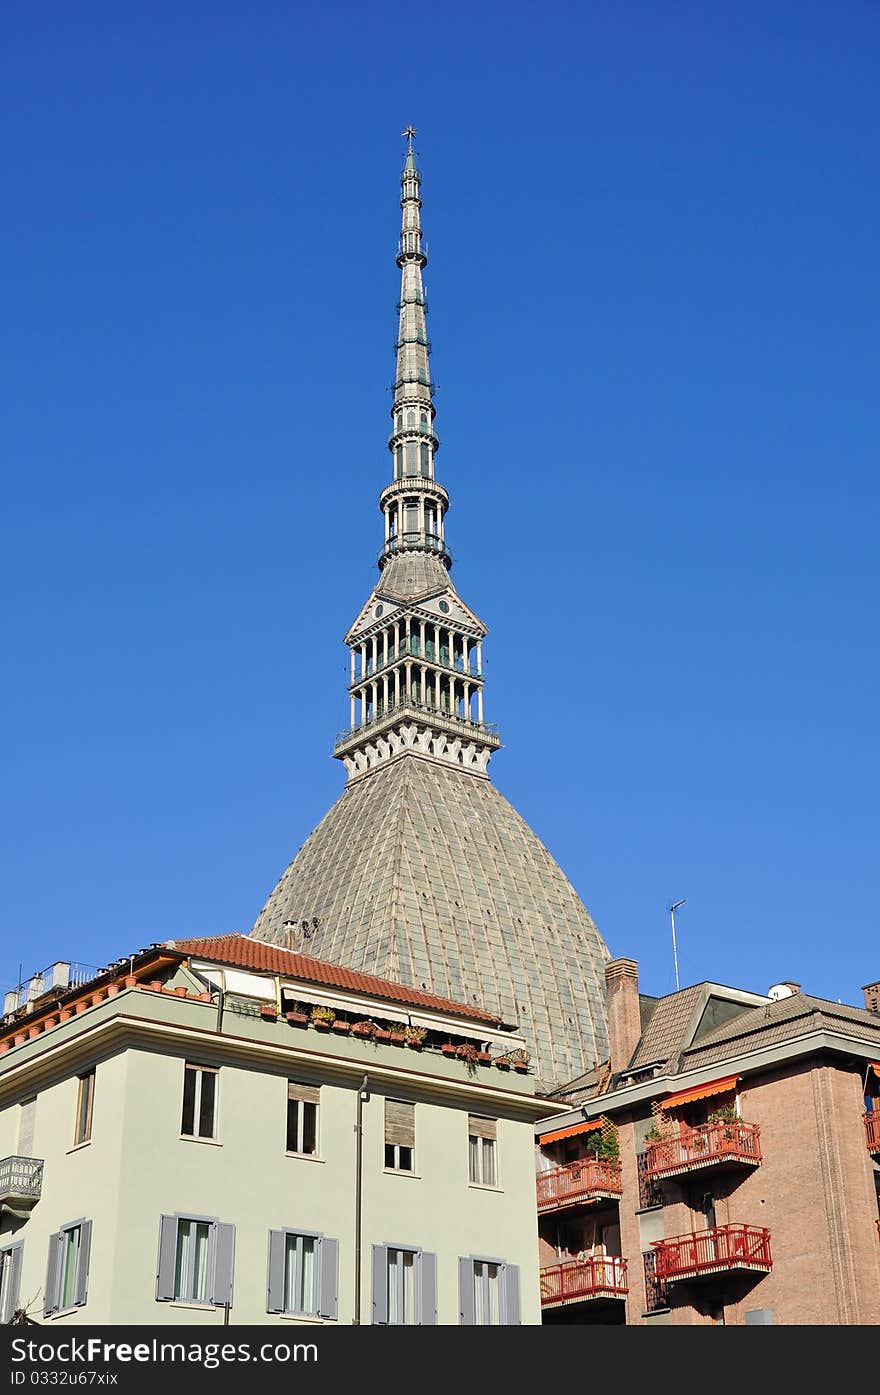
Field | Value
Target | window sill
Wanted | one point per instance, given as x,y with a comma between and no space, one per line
401,1172
485,1187
310,1319
644,1210
194,1306
191,1138
65,1312
78,1147
305,1157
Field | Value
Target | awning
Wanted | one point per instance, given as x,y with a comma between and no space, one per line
875,1067
700,1092
587,1127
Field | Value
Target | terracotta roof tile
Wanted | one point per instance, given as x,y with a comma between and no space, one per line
244,952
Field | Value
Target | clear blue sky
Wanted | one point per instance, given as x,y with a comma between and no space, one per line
654,306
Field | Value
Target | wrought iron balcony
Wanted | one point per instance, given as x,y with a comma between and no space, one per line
718,1144
580,1280
719,1250
415,542
578,1183
21,1181
872,1129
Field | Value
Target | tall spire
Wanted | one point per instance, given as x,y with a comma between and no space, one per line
416,648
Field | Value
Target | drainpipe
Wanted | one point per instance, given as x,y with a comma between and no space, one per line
219,1027
363,1094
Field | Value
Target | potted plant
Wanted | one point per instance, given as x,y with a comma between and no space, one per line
519,1059
382,1034
449,1048
363,1029
339,1024
323,1017
396,1036
502,1062
268,1012
414,1036
296,1017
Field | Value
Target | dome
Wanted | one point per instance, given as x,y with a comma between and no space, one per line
424,874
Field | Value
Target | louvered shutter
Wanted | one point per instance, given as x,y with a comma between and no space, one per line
512,1314
466,1292
166,1261
400,1123
275,1281
380,1285
428,1289
224,1257
328,1277
12,1258
478,1127
81,1287
53,1266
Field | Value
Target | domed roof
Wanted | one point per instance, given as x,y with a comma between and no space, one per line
424,874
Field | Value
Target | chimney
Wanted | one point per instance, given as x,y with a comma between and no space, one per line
622,1005
872,997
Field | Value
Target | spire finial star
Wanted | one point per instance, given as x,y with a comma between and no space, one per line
410,134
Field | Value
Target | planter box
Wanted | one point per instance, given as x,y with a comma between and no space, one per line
320,1025
381,1034
269,1014
503,1065
484,1058
297,1019
414,1045
396,1038
363,1029
523,1070
341,1026
449,1050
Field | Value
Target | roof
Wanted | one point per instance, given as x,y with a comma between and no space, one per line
244,952
410,576
665,1034
782,1020
423,873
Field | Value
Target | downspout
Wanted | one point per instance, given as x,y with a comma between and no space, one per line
363,1093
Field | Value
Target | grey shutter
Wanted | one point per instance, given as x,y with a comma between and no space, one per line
478,1127
13,1287
328,1278
512,1314
53,1264
224,1257
306,1094
380,1284
81,1287
165,1265
400,1123
466,1292
428,1289
275,1282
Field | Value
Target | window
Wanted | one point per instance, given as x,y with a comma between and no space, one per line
482,1167
400,1135
404,1286
85,1096
196,1255
199,1101
303,1274
488,1292
10,1280
302,1118
67,1270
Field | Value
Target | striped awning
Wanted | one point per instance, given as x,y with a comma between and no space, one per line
700,1092
586,1127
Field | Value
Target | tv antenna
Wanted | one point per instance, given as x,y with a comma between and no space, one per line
672,909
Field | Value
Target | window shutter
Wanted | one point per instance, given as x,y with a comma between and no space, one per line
380,1285
275,1283
512,1313
428,1286
328,1278
224,1254
165,1262
400,1123
478,1127
306,1094
50,1296
12,1257
466,1292
81,1287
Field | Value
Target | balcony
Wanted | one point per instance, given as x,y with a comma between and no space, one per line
415,542
872,1129
583,1280
482,733
21,1180
722,1249
578,1184
723,1143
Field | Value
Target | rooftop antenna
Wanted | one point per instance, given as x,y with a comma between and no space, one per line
672,909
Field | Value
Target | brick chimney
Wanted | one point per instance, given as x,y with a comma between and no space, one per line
622,1004
872,997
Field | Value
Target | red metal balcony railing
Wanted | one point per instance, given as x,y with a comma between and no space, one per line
579,1183
872,1130
707,1145
714,1251
578,1280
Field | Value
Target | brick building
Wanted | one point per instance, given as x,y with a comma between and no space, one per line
723,1166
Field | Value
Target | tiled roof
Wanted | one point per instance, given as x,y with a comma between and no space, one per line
243,952
667,1029
784,1020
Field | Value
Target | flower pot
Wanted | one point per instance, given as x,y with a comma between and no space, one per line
34,1031
448,1049
204,997
64,1015
484,1058
503,1065
82,1005
130,981
414,1045
155,984
5,1045
297,1019
341,1026
396,1038
523,1070
20,1038
363,1029
320,1025
180,990
381,1034
112,990
268,1014
51,1021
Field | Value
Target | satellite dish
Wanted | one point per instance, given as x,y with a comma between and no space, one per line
780,990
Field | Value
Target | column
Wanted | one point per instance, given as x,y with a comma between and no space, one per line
480,705
363,659
385,692
422,638
467,701
407,673
351,680
480,657
351,725
397,687
423,689
437,689
375,649
384,646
